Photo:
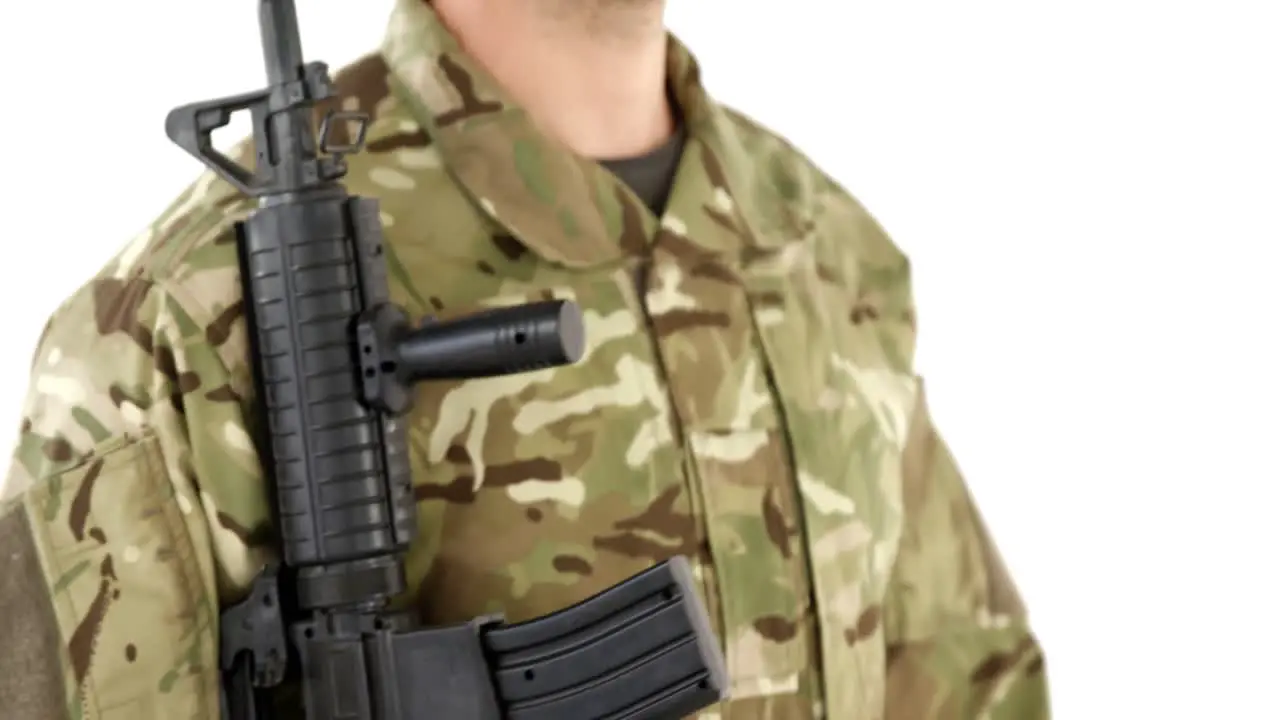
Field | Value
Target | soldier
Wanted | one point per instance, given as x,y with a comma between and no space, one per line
747,398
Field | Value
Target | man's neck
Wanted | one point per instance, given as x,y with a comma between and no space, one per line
591,73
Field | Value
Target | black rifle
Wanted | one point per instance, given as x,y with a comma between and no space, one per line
335,365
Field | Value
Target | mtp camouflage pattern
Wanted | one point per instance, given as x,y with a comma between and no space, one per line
747,398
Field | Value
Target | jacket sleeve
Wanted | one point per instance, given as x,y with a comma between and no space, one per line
959,641
959,644
128,512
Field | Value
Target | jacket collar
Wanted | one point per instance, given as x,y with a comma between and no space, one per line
566,208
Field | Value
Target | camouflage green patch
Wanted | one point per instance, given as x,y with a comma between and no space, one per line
532,171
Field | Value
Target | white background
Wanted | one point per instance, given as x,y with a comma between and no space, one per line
1090,192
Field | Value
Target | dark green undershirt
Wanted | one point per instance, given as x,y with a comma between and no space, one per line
651,175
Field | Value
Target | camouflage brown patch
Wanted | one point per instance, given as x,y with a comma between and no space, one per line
472,105
828,274
460,491
511,248
166,363
678,320
188,382
893,652
868,623
119,397
660,517
223,393
78,516
511,473
775,523
753,255
862,313
117,305
571,564
400,140
776,628
768,300
83,639
681,248
57,449
219,331
997,663
715,271
255,537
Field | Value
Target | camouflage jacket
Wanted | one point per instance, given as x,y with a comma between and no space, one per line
747,398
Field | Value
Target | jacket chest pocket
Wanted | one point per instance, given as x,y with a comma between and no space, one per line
754,573
847,412
758,569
